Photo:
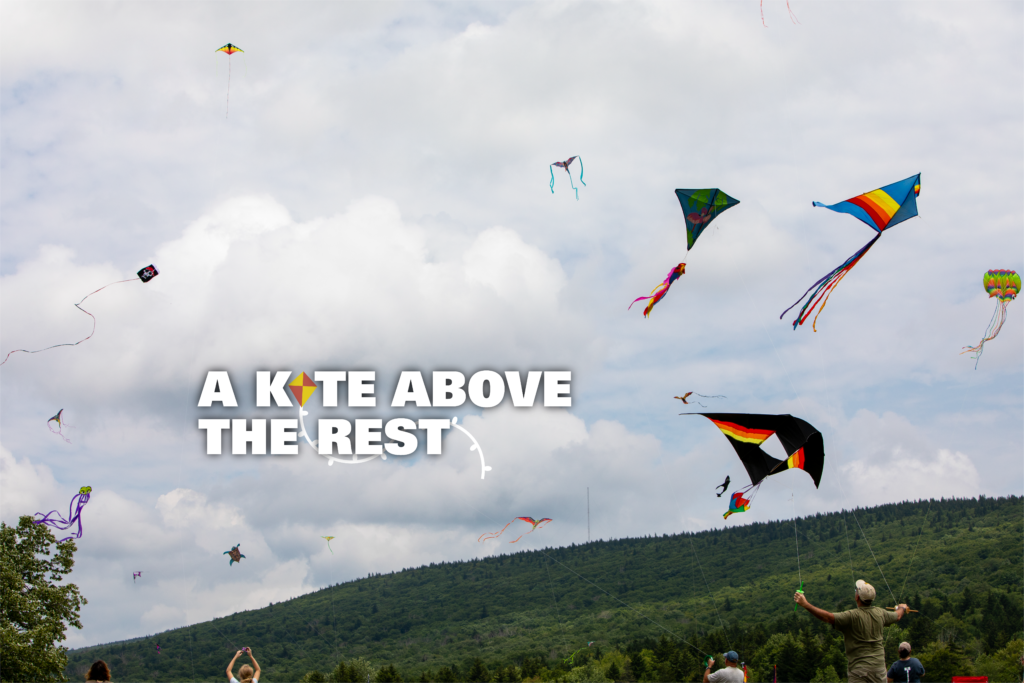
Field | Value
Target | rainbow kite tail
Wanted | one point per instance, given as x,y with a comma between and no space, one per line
994,327
552,179
823,288
581,170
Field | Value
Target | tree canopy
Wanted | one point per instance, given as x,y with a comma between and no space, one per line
35,610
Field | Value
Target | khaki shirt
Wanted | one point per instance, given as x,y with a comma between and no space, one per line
862,633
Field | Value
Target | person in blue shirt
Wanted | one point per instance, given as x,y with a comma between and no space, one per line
906,669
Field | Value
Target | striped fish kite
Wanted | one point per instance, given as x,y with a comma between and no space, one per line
880,209
747,431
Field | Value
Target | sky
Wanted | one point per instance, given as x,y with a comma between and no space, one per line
368,189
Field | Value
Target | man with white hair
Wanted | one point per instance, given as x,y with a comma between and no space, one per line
862,632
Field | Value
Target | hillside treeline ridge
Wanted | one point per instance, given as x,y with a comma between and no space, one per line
650,605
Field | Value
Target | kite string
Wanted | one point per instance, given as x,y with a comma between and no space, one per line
558,614
914,555
842,491
710,594
79,307
799,573
624,604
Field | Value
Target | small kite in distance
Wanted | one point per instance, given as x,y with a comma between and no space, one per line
235,554
146,274
158,649
565,165
54,520
1004,285
536,524
136,575
690,393
724,486
571,657
659,292
328,539
229,50
880,210
58,420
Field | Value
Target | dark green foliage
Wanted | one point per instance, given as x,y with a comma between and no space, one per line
440,620
35,610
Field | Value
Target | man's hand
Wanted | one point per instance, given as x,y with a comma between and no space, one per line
901,610
800,599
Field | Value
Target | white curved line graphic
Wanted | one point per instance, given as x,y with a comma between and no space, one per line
475,447
331,459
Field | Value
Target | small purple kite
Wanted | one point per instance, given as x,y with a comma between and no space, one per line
565,165
74,515
136,575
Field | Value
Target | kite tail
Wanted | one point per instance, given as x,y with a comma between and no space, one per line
552,180
792,17
703,396
581,170
495,534
823,287
515,540
79,307
227,104
994,327
571,184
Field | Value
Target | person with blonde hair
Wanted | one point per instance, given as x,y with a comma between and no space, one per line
862,632
246,672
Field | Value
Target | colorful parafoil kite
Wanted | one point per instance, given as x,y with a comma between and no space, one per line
737,503
565,165
535,523
54,520
880,209
58,420
1003,285
747,431
700,207
229,50
235,554
328,539
145,275
687,395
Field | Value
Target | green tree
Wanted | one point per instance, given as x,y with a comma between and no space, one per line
941,662
388,674
478,673
1004,665
34,610
826,675
314,676
445,675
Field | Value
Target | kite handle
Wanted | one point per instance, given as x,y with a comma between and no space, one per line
799,590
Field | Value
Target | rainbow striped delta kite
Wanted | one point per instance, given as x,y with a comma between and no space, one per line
747,431
880,209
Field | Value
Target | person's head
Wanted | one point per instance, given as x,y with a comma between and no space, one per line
98,671
245,673
865,593
904,650
731,658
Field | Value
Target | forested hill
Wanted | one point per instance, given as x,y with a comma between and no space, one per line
958,561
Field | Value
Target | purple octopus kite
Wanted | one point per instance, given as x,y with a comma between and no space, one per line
53,518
